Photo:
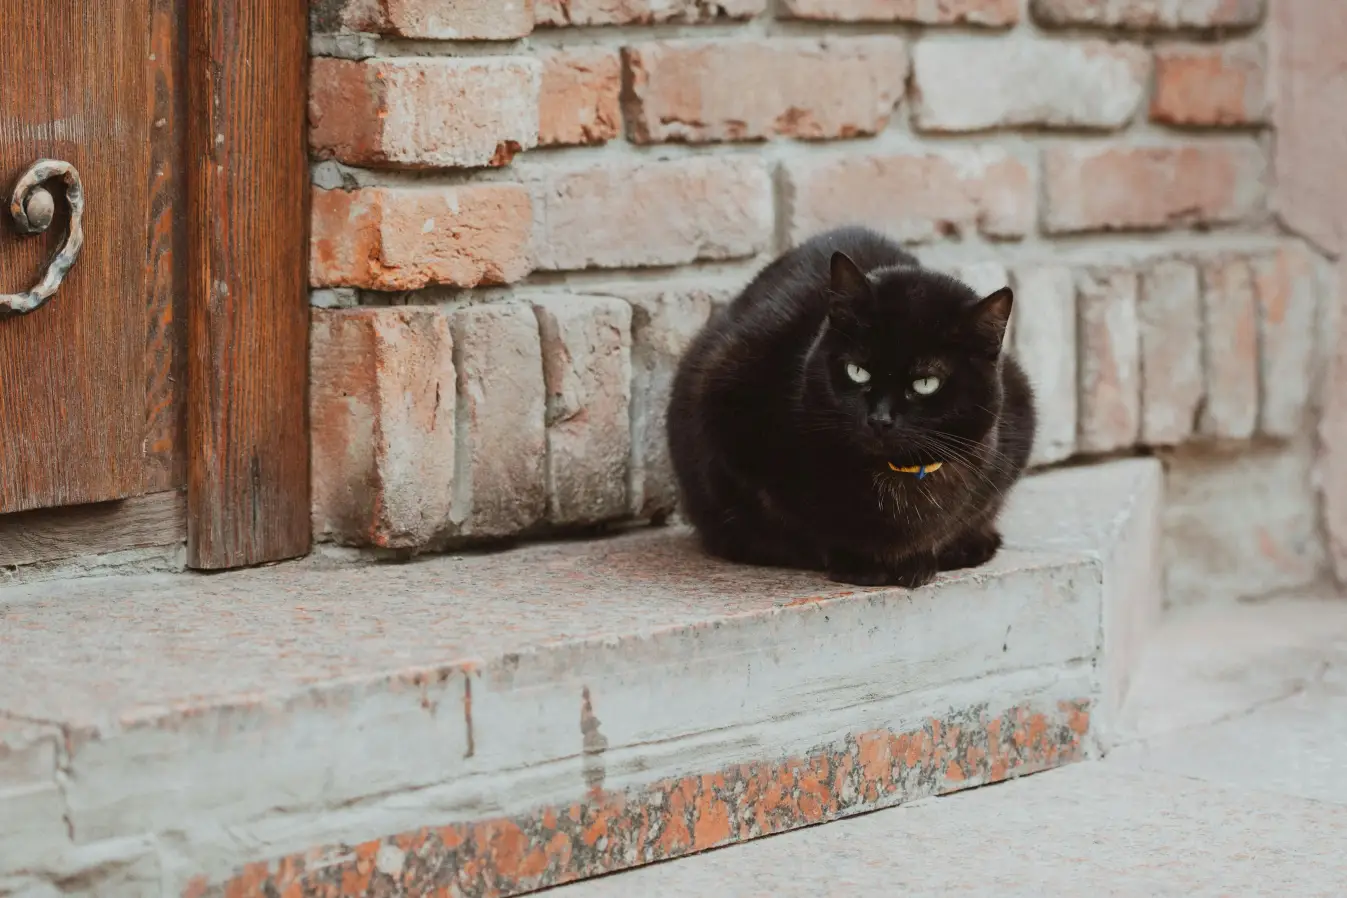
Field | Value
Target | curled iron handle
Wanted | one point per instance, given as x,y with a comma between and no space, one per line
33,209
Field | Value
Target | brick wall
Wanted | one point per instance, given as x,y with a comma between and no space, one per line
522,211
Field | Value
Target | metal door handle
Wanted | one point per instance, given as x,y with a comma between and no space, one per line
33,209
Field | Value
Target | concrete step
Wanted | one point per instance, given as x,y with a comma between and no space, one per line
486,725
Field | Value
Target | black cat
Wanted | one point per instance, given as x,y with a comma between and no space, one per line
852,412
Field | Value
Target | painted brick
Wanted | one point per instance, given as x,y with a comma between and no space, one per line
1211,85
431,19
1089,188
404,238
586,346
1172,387
381,406
991,13
1332,430
643,12
914,197
424,112
580,97
1045,345
975,83
1286,291
1149,14
694,90
500,483
1230,349
664,320
656,213
1110,374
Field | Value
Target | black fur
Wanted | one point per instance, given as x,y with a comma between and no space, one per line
783,460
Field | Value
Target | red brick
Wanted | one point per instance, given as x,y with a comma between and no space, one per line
1172,384
432,19
1286,290
404,238
586,345
580,97
1230,350
1057,84
991,13
643,12
1149,14
1110,373
694,90
1210,86
1044,341
381,406
914,197
665,318
1091,188
657,213
424,112
500,489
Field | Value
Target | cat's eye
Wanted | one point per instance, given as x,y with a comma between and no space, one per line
925,386
857,374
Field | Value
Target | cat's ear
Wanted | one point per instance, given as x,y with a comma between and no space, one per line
990,317
849,287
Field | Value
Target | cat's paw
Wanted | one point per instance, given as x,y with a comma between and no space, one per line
970,550
911,573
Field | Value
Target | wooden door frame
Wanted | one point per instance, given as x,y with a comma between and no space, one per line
230,102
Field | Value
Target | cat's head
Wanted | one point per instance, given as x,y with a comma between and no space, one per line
906,368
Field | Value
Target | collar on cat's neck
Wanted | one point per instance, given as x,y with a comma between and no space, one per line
920,470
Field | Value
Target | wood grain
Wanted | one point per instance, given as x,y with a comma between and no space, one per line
247,257
51,534
72,386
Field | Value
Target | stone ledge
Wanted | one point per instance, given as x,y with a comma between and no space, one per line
498,723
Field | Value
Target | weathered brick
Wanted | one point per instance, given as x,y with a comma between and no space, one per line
975,83
403,238
381,407
432,19
1230,349
1332,429
500,485
694,90
581,97
656,213
424,112
1286,289
914,197
990,13
1045,345
1211,85
643,12
1110,377
665,318
1172,388
1090,188
1149,14
586,345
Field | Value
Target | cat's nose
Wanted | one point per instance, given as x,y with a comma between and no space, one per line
881,415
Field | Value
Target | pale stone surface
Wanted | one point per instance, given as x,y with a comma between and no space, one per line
586,345
1172,381
579,101
693,90
1149,14
656,213
429,19
972,84
424,112
1286,287
499,486
381,413
643,12
1332,434
1109,414
1093,188
405,238
1241,523
947,192
1044,336
1218,86
1230,350
989,13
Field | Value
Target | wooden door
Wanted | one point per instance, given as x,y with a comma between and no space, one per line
165,377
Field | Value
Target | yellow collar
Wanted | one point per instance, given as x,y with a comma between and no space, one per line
920,470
